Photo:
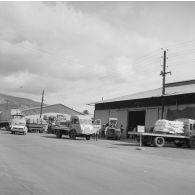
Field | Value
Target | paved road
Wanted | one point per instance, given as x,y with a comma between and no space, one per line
40,164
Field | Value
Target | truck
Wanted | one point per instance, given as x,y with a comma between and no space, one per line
36,125
77,126
14,121
111,130
158,139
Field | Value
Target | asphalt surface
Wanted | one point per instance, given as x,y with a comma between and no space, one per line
41,164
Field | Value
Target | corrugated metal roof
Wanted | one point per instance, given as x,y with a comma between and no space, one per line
177,88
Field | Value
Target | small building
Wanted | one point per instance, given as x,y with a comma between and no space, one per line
50,110
145,108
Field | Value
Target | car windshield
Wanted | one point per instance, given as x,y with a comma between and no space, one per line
85,121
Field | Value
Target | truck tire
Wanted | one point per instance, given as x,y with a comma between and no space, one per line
159,141
72,134
58,134
88,137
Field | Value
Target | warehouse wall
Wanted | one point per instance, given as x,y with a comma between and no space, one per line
152,115
181,111
102,114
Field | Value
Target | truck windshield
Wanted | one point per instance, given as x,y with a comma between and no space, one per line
113,123
18,123
18,117
85,121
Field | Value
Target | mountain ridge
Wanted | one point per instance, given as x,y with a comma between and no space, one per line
12,102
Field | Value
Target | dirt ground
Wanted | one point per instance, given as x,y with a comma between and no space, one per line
41,164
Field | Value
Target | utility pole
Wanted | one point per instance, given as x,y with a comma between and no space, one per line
163,73
42,104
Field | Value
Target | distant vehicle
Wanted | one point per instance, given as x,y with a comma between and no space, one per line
112,131
36,125
13,121
78,126
159,139
18,124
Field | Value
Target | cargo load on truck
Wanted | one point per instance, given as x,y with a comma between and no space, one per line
166,126
36,125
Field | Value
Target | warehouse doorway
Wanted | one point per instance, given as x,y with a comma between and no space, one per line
136,118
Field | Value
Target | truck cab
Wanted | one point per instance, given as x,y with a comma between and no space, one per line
18,124
80,126
112,130
189,126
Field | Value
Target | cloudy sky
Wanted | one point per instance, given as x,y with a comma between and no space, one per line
79,52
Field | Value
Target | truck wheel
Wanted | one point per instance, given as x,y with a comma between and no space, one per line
159,141
58,134
88,137
72,134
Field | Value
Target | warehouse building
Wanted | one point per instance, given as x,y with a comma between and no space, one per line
145,108
50,110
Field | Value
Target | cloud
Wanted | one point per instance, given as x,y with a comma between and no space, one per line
74,55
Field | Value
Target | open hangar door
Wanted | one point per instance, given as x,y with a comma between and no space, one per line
136,118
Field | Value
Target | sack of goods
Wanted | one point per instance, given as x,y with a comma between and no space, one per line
166,126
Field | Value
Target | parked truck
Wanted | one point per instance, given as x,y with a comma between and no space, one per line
77,126
159,139
14,121
36,125
112,131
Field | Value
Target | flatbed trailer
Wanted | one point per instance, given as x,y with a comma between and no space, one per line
60,130
33,127
159,139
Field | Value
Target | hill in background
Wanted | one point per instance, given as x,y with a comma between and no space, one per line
11,102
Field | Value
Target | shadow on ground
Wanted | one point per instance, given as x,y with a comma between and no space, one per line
67,138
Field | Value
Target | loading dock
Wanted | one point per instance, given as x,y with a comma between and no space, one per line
136,118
